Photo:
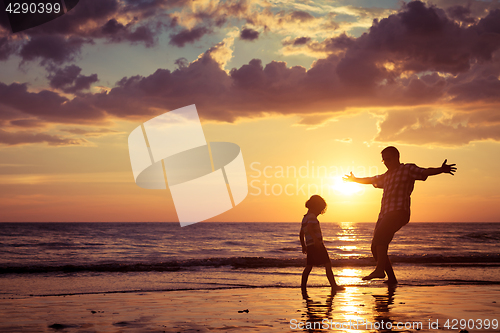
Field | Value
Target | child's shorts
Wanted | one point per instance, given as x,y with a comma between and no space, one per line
317,255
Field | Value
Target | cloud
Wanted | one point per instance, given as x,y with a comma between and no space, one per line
7,48
429,127
422,38
27,123
344,140
300,41
313,48
60,40
90,133
142,21
484,89
301,16
117,32
28,137
415,57
188,36
222,52
52,48
314,120
249,34
70,80
461,14
48,105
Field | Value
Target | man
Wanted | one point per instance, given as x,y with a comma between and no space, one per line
397,183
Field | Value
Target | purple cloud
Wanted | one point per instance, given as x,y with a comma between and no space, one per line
186,36
249,34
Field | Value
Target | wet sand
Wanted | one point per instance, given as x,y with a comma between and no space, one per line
259,310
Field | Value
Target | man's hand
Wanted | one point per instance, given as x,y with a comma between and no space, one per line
304,249
448,168
349,178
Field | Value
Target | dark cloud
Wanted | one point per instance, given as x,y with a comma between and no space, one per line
328,46
187,36
301,40
70,80
148,8
48,105
28,137
112,27
341,42
297,41
60,40
4,21
117,32
486,89
249,34
477,8
461,14
142,21
7,48
52,48
181,62
81,20
301,16
27,123
418,56
418,39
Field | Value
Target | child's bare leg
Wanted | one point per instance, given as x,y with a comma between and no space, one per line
331,277
305,276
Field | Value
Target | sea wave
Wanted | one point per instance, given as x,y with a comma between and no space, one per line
245,262
482,237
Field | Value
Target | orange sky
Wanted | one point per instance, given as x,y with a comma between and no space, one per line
300,87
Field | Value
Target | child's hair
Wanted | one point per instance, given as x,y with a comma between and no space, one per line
316,203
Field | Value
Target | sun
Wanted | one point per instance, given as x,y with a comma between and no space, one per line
345,188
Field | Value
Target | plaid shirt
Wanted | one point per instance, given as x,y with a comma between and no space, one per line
398,185
313,221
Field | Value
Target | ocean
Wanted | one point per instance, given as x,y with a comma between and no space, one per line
83,258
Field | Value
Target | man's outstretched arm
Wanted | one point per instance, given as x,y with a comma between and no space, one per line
351,178
445,168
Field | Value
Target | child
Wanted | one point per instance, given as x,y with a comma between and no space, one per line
313,245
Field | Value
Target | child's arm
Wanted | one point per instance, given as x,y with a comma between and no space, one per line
302,242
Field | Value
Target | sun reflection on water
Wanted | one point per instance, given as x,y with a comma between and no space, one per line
349,276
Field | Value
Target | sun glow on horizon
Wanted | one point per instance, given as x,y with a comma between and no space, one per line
342,187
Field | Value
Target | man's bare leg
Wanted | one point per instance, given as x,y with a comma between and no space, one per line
380,254
391,277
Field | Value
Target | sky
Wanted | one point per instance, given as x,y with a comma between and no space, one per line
309,90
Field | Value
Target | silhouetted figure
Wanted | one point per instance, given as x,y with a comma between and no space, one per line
313,245
382,308
317,312
397,184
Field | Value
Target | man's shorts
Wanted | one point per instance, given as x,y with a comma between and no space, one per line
387,226
317,255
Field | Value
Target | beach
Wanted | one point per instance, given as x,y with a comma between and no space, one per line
158,277
269,310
